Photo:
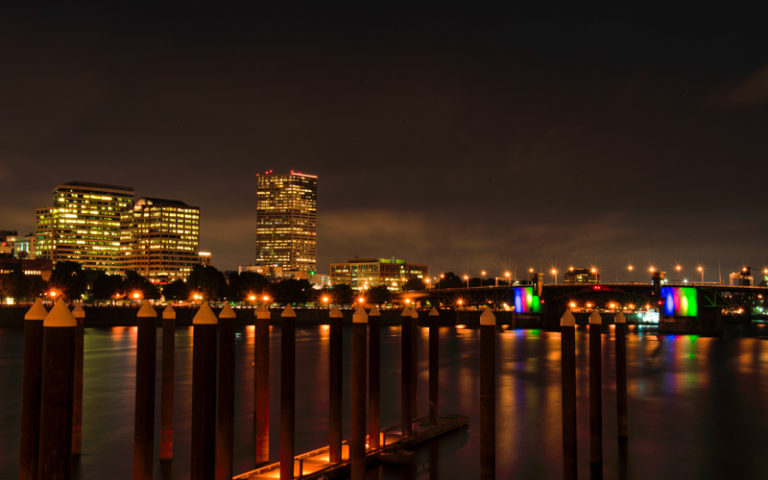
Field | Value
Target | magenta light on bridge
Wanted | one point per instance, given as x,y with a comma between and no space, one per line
679,301
526,301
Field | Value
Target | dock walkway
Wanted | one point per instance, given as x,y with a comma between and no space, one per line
315,464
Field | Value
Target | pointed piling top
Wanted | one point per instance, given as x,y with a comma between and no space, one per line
406,312
595,318
263,312
146,311
374,312
487,318
227,312
205,316
59,316
288,312
169,313
36,312
568,320
334,312
414,313
360,316
434,312
78,312
619,318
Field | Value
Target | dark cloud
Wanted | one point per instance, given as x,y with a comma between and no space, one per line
454,137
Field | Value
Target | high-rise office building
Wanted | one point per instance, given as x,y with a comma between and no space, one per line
83,225
160,239
286,216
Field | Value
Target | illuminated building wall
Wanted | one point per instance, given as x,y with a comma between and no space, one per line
83,225
286,216
160,239
370,272
679,301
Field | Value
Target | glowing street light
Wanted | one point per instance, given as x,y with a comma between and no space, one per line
554,273
508,276
652,269
700,269
466,279
678,267
265,298
630,267
428,282
361,300
136,295
482,278
325,300
251,297
460,302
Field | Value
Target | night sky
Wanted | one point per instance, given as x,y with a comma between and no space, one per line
460,139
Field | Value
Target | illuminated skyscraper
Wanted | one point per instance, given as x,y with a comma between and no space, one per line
83,225
286,216
160,239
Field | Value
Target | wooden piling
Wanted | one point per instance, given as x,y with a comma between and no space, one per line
287,391
487,395
261,384
203,441
144,412
226,395
58,377
434,365
621,374
595,390
77,403
357,452
414,377
406,335
568,380
166,401
30,390
374,378
335,385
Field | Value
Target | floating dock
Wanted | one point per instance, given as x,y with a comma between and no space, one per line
315,464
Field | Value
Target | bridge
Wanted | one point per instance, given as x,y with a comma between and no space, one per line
684,307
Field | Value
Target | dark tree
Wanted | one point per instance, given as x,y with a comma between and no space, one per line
105,287
451,280
176,290
135,282
209,281
291,291
248,283
413,284
379,295
342,294
69,278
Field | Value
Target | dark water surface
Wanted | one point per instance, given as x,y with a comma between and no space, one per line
697,406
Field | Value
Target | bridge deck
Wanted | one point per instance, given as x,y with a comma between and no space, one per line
315,464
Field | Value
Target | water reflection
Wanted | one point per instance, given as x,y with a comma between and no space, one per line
696,404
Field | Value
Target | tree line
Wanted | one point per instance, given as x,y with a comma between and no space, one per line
204,282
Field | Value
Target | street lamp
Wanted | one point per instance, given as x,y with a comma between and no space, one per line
700,269
678,267
482,278
554,274
508,275
428,282
652,269
466,279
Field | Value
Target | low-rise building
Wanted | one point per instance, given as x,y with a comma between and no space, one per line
363,273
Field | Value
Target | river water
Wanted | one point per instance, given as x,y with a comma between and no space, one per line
697,406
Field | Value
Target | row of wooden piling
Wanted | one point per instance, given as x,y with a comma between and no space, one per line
568,372
52,406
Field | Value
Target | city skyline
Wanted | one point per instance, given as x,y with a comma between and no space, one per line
464,140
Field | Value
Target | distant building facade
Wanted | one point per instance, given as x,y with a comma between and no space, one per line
160,239
30,267
286,223
581,275
83,225
363,273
